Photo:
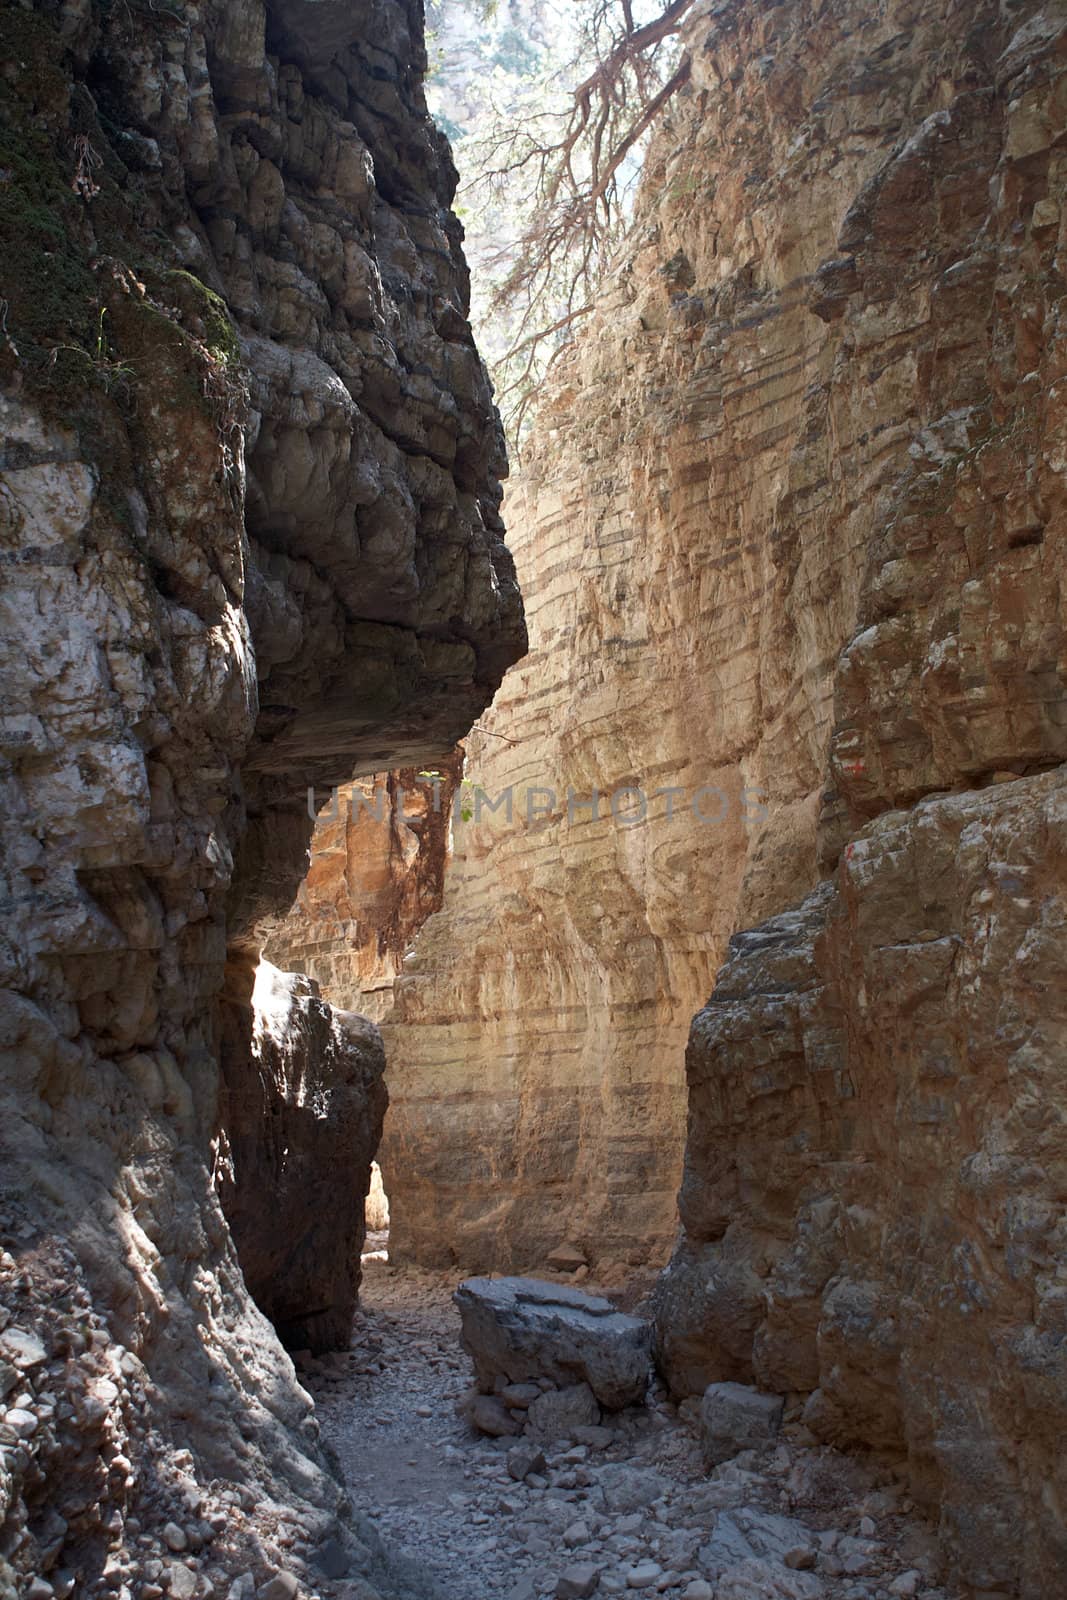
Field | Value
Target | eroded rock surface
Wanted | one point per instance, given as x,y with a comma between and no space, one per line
251,543
517,1329
803,420
871,1192
892,1052
376,873
301,1127
793,518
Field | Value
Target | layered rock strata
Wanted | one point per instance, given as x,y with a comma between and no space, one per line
692,524
792,520
376,873
872,1196
251,542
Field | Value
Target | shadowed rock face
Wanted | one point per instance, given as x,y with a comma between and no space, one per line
383,604
250,489
301,1124
875,1163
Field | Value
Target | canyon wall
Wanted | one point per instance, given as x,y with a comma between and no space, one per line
792,520
249,515
301,1122
377,869
686,604
873,1191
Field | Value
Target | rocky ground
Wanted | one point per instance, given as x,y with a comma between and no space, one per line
633,1514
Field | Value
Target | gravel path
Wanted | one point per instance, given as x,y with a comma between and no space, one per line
639,1517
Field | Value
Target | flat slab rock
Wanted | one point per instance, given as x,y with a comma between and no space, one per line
525,1328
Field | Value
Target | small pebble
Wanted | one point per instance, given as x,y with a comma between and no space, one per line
182,1583
801,1558
283,1586
577,1582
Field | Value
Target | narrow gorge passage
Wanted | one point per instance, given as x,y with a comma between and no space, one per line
666,811
637,1506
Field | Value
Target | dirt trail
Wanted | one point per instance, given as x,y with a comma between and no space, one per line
641,1517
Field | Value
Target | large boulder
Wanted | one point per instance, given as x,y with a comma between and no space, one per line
735,1417
521,1328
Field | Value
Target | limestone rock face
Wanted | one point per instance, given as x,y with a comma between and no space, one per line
301,1128
534,1045
518,1329
251,543
376,873
793,518
872,1199
785,528
872,1186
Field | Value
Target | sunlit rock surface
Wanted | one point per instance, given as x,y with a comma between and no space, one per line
793,517
377,868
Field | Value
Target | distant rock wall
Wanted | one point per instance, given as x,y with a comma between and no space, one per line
687,601
378,856
251,543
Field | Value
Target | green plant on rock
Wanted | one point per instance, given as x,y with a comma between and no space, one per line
187,333
468,797
100,363
206,310
56,200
